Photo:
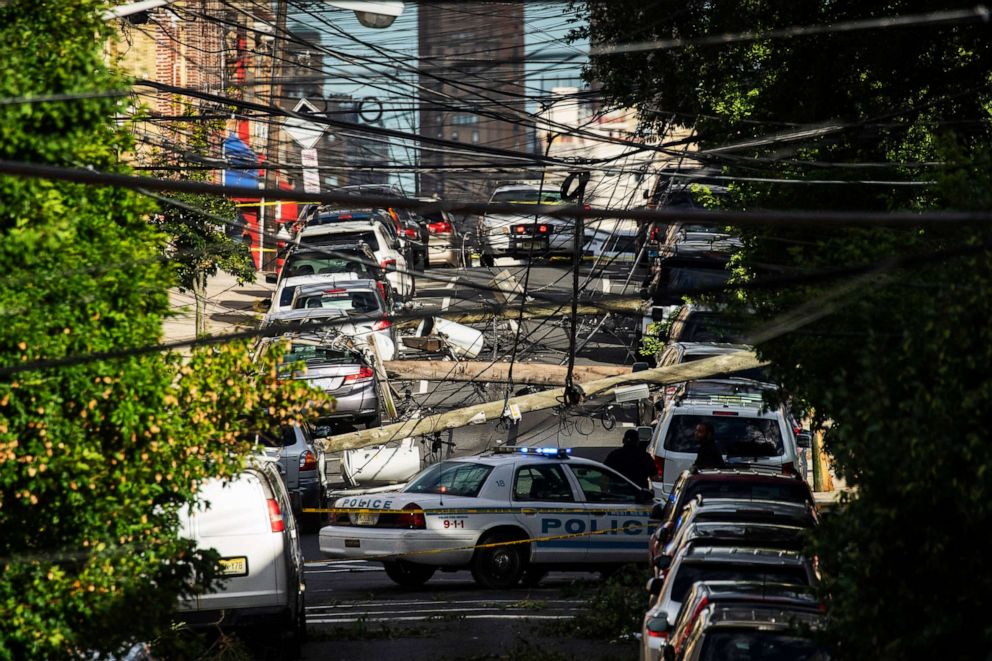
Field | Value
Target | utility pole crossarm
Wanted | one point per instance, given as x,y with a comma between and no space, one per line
479,413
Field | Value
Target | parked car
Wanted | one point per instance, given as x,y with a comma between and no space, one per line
249,521
726,632
696,323
340,370
726,510
286,290
522,234
745,430
779,596
744,483
413,531
445,246
678,353
375,234
330,259
704,563
410,227
292,448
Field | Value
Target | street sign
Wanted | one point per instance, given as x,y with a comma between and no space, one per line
311,176
305,133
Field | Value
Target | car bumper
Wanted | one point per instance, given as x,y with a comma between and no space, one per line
444,254
360,403
426,547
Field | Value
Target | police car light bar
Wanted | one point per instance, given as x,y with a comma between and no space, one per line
544,452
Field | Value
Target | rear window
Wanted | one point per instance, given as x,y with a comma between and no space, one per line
689,573
362,302
310,353
755,373
276,438
318,265
368,238
736,436
748,490
458,478
804,518
764,645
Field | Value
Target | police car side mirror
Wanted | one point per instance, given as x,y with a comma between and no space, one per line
654,586
663,562
657,512
804,439
644,496
271,278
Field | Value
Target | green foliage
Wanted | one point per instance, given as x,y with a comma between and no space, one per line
97,459
899,366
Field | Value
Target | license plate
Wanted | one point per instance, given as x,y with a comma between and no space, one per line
364,519
353,543
530,245
236,566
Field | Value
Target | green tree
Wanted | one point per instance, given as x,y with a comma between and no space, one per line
97,459
200,244
900,365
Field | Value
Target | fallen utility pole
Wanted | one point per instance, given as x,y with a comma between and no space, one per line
629,306
537,374
480,413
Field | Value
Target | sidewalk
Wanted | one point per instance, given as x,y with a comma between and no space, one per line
229,307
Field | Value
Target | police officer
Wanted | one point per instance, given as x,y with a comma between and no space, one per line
708,455
632,462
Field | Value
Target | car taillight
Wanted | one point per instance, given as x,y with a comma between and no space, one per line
659,463
388,263
275,516
382,290
382,324
789,468
543,229
587,207
364,374
415,519
520,229
440,227
410,233
308,461
725,413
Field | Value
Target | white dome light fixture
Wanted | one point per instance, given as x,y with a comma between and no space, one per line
372,14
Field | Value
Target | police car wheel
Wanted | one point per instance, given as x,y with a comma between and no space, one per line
499,567
407,574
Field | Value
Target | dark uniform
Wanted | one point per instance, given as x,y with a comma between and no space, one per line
709,455
633,463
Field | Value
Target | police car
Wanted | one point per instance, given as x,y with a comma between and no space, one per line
510,514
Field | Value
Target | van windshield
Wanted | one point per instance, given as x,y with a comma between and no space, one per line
735,436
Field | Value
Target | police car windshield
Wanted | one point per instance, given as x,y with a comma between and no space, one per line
769,645
458,478
736,436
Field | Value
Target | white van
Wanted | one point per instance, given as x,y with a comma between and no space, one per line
249,521
746,431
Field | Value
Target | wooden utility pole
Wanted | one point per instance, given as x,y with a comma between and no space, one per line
537,374
480,413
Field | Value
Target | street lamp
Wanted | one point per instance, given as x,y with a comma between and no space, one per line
377,14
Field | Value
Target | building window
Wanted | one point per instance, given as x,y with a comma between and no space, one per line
475,136
454,135
461,119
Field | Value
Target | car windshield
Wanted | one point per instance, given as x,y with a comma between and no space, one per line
710,327
780,490
366,237
313,353
754,645
455,478
316,264
528,196
348,300
689,573
736,436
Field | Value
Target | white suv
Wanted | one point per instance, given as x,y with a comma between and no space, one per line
524,233
745,430
384,245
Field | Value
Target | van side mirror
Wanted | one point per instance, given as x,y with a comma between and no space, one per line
663,562
804,439
271,278
654,586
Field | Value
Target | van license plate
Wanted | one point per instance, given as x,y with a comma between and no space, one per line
236,566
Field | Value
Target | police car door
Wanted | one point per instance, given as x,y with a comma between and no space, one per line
542,497
619,521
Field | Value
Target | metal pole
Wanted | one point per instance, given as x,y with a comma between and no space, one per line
278,45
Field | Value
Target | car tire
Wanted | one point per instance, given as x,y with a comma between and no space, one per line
499,567
532,576
374,421
487,260
407,574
